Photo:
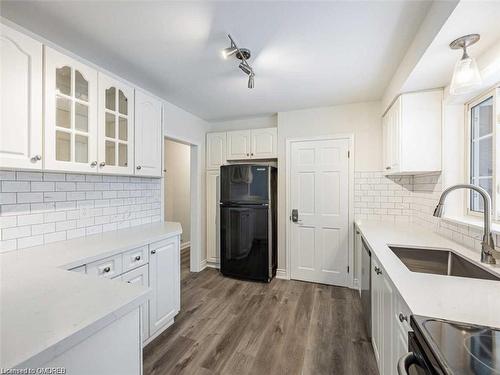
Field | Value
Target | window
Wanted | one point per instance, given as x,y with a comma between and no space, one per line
482,138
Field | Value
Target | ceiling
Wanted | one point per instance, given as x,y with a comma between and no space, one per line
305,54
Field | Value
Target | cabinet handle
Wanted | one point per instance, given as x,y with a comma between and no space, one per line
102,164
106,270
36,158
252,153
402,317
138,257
387,168
138,167
153,252
93,164
378,271
248,154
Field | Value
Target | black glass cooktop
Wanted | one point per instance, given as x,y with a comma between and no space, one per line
462,348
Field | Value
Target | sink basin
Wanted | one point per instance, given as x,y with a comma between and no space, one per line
440,262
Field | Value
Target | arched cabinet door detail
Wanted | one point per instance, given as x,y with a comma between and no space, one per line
70,114
21,100
116,126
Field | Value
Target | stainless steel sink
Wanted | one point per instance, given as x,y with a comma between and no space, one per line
440,262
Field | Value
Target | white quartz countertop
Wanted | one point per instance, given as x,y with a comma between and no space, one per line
45,309
447,297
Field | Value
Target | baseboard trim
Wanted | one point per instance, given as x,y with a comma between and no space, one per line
282,274
185,245
203,265
213,264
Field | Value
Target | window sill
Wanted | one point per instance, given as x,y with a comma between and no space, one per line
475,222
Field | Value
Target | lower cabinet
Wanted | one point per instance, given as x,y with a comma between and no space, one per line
389,321
140,276
164,272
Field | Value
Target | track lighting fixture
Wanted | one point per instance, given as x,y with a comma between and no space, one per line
466,74
242,54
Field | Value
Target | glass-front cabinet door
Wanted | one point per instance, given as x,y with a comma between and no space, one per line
70,114
116,126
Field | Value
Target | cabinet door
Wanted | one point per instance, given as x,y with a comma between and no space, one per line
164,273
116,126
395,135
264,143
387,318
70,114
238,145
148,135
376,312
20,100
216,150
140,276
213,216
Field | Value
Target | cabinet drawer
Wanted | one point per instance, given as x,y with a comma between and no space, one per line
108,267
135,258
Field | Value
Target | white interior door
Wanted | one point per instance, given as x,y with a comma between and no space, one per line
319,191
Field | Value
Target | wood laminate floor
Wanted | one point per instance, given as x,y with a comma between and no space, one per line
229,326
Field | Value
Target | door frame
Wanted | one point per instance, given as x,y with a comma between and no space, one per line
350,232
196,263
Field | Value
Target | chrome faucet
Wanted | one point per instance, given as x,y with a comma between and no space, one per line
488,252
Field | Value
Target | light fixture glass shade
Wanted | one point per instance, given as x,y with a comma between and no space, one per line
465,76
226,52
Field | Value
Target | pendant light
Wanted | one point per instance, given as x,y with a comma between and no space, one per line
466,74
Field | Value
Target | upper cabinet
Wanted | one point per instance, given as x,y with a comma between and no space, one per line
20,100
216,150
264,143
411,130
148,135
252,144
70,114
116,126
238,144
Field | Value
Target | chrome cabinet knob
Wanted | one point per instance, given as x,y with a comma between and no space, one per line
378,271
36,158
138,257
402,317
387,168
93,164
138,167
102,164
106,270
153,251
251,154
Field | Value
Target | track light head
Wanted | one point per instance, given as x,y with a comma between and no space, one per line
246,69
251,83
226,52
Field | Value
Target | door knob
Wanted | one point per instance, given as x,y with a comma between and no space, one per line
295,215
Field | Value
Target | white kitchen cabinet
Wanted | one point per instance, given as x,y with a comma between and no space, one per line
239,144
216,150
140,276
164,273
20,100
71,135
264,143
390,318
116,126
252,144
412,133
213,217
148,135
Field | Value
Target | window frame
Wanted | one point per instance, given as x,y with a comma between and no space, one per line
494,94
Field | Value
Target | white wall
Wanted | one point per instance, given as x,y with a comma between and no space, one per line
183,126
246,123
361,119
177,181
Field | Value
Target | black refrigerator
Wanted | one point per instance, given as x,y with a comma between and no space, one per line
248,241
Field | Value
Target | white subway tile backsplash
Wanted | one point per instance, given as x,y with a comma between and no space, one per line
37,208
